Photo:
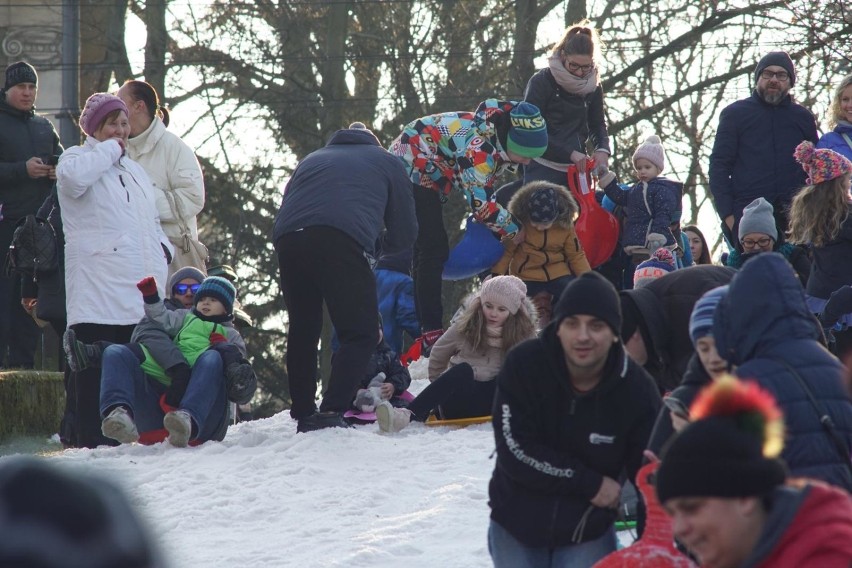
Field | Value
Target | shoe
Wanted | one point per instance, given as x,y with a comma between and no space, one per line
392,419
120,426
321,420
179,425
80,356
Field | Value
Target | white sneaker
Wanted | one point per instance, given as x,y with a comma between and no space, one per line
120,426
392,419
179,425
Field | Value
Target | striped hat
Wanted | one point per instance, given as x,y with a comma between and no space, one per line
220,289
821,164
701,320
527,131
661,263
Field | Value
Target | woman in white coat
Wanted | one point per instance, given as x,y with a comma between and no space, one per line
113,239
172,167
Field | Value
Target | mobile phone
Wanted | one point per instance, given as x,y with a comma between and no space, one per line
52,160
677,406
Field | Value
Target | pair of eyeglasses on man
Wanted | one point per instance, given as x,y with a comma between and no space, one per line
584,69
748,243
181,289
780,75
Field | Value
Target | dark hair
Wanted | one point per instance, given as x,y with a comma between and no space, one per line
579,39
142,91
705,252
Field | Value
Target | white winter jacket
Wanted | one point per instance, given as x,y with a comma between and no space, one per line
170,163
113,237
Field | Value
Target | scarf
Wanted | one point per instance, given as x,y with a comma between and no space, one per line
572,84
495,336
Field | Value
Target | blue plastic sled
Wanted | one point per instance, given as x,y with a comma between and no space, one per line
478,251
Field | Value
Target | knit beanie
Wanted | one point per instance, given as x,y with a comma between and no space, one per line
591,295
97,107
701,320
527,131
758,217
821,164
183,273
543,205
20,72
779,58
661,263
508,291
728,449
652,150
220,289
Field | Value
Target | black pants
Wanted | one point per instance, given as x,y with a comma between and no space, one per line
86,385
431,251
457,394
324,264
18,332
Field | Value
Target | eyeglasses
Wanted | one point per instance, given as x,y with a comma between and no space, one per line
181,289
764,242
769,75
584,69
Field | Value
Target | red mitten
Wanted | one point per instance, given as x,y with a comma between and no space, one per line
217,338
166,407
148,286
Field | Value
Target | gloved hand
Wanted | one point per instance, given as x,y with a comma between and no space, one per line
217,338
605,177
654,241
240,382
148,286
429,338
179,374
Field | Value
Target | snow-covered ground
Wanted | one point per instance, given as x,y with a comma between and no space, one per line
267,497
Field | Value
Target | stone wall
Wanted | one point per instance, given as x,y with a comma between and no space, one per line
31,403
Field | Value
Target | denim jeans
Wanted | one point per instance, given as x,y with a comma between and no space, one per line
124,383
508,552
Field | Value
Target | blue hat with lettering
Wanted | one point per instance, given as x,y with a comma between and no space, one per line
527,131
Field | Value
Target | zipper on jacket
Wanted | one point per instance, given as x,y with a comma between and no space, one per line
121,179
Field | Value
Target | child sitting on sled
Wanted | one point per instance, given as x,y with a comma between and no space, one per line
386,378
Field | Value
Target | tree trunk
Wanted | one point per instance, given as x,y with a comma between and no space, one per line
155,44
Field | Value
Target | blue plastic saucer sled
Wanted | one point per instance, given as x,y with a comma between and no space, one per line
478,251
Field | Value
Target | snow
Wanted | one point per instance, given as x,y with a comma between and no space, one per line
268,497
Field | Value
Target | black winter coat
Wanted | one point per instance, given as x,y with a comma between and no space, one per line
831,267
571,119
764,327
384,360
665,305
554,446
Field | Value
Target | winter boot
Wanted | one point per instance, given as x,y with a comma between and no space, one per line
120,426
392,419
80,355
320,421
179,425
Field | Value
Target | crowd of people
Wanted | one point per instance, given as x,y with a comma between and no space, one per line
586,372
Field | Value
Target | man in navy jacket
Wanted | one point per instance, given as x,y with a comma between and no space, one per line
753,152
335,207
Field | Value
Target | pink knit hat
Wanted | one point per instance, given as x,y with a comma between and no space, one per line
506,290
652,150
821,164
97,107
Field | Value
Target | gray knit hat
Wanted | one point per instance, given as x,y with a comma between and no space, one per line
758,217
183,273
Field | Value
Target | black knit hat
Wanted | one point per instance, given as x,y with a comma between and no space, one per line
779,58
727,453
543,206
593,295
20,72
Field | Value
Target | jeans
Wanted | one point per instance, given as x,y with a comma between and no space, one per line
508,552
124,383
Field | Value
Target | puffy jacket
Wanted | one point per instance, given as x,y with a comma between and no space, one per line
171,165
395,292
753,154
571,119
113,237
462,151
385,360
834,140
23,135
354,185
649,208
765,329
554,446
544,255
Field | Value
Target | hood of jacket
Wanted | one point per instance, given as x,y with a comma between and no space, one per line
519,205
764,307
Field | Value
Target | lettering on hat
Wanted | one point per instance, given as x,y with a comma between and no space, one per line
528,122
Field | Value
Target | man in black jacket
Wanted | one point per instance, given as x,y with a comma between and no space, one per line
28,146
572,415
335,207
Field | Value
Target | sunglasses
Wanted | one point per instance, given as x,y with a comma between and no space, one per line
181,289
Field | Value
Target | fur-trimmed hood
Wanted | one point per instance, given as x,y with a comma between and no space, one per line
519,205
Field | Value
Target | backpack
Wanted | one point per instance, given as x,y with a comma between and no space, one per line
33,250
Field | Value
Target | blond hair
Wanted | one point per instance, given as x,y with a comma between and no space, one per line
835,113
818,211
579,39
518,327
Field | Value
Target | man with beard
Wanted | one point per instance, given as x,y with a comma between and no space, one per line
753,152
